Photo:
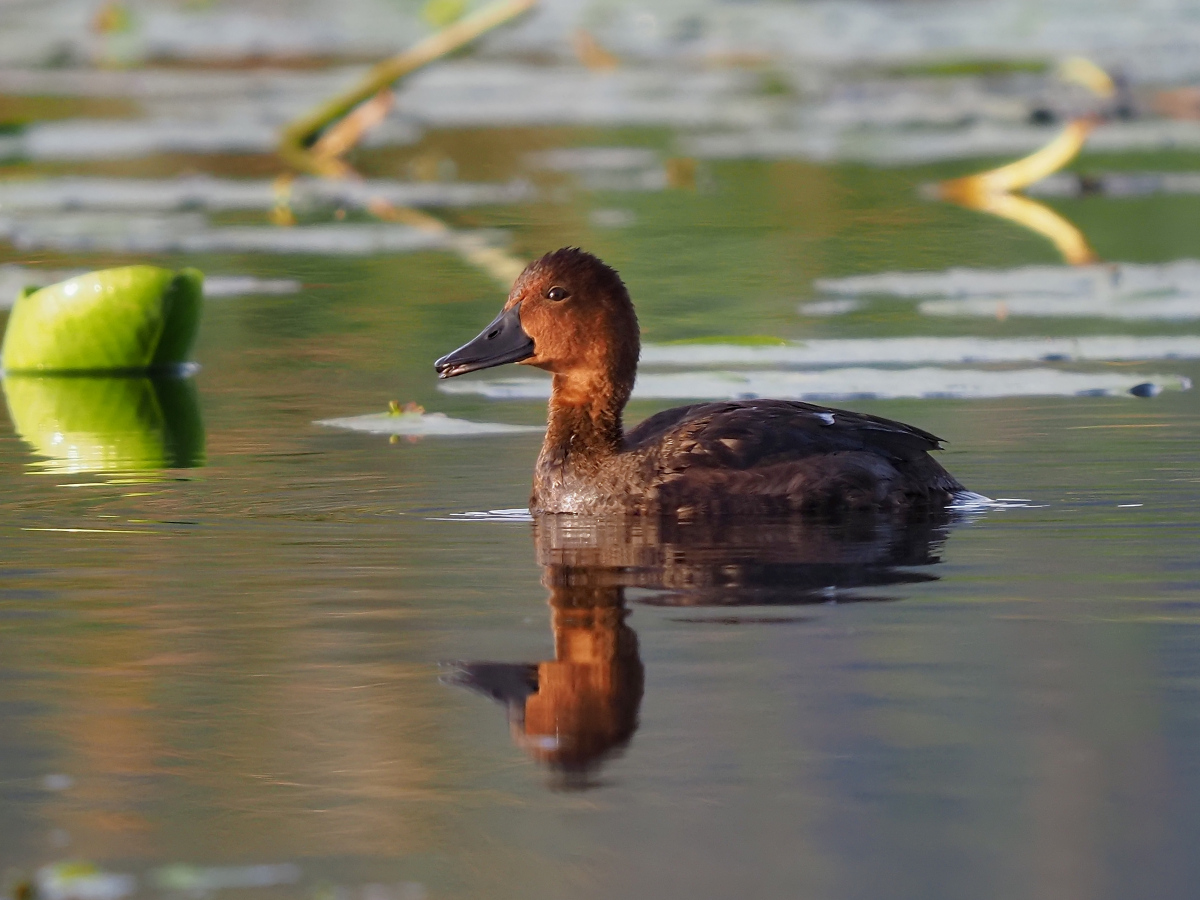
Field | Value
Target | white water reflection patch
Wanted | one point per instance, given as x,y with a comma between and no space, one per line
971,502
491,515
413,424
852,384
913,350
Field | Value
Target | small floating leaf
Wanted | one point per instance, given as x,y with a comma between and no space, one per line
128,319
411,423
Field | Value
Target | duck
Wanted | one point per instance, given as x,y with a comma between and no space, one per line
571,315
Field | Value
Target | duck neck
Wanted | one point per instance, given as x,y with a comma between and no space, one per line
584,427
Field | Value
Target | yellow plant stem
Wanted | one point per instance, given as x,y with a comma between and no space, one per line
1082,71
1024,172
299,135
344,134
991,192
504,267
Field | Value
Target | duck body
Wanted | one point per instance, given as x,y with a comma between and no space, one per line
570,314
749,456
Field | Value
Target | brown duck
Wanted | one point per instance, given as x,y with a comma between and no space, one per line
570,314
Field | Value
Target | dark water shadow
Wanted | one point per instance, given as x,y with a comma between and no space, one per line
573,712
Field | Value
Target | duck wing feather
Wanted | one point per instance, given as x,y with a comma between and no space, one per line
750,434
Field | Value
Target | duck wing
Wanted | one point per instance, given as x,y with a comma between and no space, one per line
747,434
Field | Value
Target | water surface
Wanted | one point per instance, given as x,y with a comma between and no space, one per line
252,648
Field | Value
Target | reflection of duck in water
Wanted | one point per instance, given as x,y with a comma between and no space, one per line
570,314
576,710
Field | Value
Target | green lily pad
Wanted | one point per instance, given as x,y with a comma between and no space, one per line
107,424
116,320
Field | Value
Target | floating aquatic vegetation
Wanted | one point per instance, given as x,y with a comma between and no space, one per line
593,159
191,233
846,384
149,195
82,139
15,279
913,350
1125,278
82,881
1116,184
1158,41
612,218
186,111
423,424
829,307
1126,291
606,168
909,147
129,319
164,89
475,93
206,879
1128,309
107,424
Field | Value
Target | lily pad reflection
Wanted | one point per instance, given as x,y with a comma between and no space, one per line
107,424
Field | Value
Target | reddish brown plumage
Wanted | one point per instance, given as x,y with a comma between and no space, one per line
749,456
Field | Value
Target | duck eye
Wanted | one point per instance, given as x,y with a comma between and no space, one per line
557,293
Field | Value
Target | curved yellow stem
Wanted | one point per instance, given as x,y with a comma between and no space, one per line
991,192
1024,172
297,136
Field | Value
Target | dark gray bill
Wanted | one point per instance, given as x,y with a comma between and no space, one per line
503,341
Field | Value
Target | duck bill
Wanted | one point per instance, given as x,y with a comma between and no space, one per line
504,341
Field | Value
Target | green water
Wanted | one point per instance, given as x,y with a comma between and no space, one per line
245,661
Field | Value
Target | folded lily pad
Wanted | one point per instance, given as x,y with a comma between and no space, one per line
129,319
107,424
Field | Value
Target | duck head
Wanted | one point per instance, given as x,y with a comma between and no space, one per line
567,313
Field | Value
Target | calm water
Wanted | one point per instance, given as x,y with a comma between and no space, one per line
267,657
